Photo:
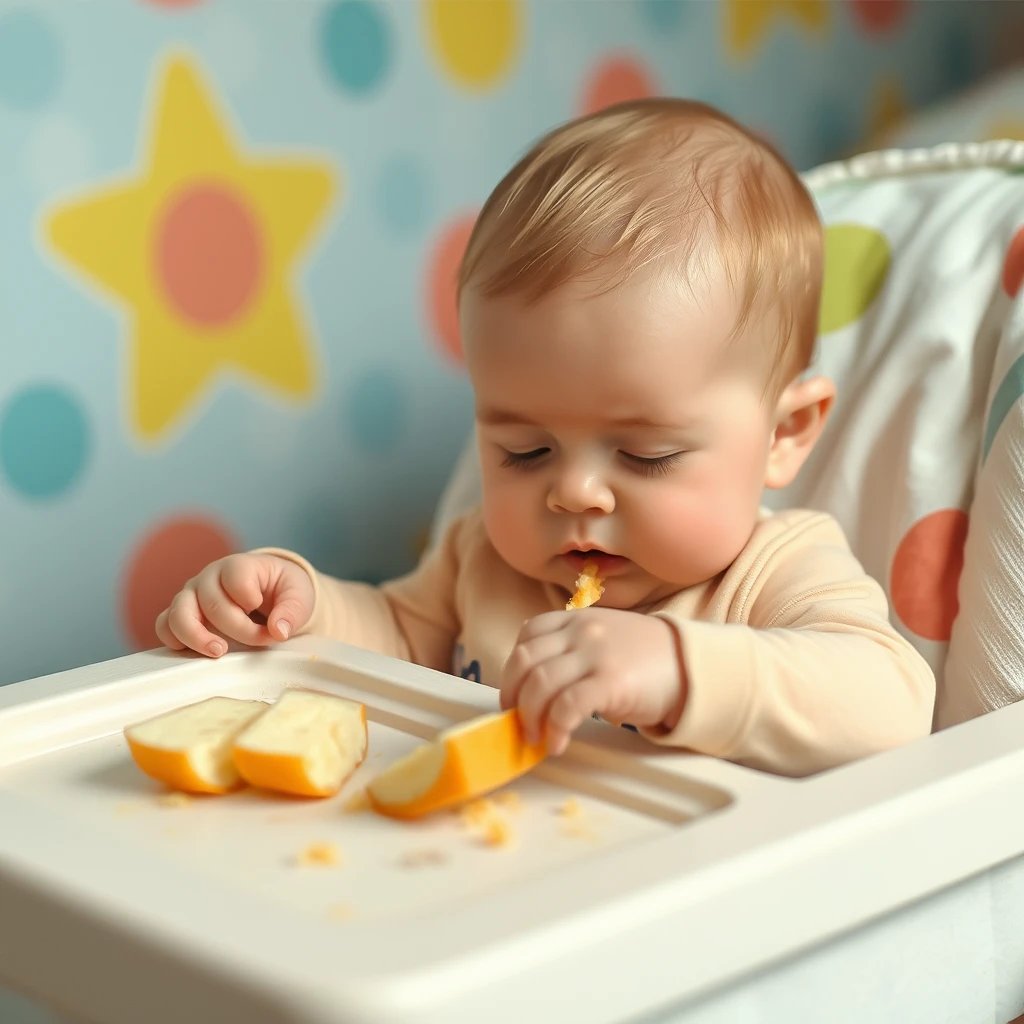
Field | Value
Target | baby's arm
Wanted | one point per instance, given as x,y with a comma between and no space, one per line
412,618
816,676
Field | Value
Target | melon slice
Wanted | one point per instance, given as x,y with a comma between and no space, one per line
189,749
464,762
307,744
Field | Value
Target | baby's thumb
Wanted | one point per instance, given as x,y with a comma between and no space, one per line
293,606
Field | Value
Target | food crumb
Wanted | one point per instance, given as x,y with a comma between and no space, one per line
340,911
580,832
509,799
124,810
570,809
322,855
424,858
174,800
497,833
477,813
358,802
312,657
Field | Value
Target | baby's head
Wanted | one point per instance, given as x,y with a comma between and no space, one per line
639,301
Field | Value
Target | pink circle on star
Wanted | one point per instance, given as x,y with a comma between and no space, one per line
1013,266
441,283
880,16
926,571
617,79
209,254
162,563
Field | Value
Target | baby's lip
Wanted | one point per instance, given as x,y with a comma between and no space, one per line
607,564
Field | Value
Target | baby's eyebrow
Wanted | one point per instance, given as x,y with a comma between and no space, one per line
504,418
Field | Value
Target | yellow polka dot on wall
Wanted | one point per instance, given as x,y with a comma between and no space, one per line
475,42
857,261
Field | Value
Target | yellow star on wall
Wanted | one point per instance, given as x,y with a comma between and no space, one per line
200,248
747,21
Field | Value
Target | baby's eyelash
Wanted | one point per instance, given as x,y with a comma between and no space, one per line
524,460
658,466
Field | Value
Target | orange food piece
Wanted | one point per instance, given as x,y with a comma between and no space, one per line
189,749
497,833
463,763
589,588
323,855
307,744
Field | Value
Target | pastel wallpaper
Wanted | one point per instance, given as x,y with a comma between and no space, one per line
228,232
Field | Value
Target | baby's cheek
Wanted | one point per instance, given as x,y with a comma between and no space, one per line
507,522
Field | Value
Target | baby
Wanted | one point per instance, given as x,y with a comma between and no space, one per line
638,303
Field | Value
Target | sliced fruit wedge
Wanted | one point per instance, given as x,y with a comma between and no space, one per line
189,749
307,744
464,762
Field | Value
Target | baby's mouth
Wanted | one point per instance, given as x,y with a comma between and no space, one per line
606,563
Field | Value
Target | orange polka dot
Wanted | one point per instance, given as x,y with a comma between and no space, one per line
1013,268
167,557
441,274
209,254
616,79
926,573
880,16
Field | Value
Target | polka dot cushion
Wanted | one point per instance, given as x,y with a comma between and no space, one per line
923,459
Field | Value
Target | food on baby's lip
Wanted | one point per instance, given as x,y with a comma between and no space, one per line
189,749
588,588
319,855
464,762
307,744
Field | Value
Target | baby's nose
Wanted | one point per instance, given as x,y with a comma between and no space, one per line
580,492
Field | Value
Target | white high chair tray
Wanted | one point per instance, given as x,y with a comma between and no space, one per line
679,873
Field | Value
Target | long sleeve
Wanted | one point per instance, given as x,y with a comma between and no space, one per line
412,618
806,672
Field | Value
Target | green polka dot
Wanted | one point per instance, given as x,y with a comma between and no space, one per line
857,261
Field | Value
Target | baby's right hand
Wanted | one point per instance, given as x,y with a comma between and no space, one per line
226,593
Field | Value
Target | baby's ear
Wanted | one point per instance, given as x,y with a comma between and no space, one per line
800,416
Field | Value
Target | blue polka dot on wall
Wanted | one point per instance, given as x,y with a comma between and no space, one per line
31,61
356,45
44,441
376,411
403,195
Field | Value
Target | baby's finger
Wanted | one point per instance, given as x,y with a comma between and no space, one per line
224,614
569,710
186,623
542,685
546,622
524,658
164,634
239,576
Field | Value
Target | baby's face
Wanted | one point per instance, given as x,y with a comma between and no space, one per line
620,428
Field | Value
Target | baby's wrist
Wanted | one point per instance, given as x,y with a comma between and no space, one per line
680,684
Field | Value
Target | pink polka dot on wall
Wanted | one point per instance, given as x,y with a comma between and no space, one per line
166,558
926,574
209,254
1013,268
174,3
441,275
616,79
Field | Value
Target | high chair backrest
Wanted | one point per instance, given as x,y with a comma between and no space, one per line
922,461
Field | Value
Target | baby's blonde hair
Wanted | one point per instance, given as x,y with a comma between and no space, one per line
648,181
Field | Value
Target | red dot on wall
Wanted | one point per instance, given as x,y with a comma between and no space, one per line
441,277
880,16
616,79
169,555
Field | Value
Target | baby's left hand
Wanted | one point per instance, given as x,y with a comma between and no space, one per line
568,665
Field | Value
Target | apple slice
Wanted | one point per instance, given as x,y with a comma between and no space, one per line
307,744
189,748
464,762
